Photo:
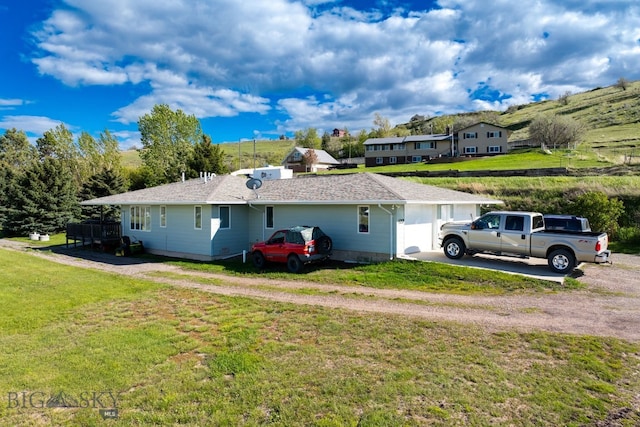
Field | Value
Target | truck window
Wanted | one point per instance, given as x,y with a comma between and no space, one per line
514,223
491,221
537,221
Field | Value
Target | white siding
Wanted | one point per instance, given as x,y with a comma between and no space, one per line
418,229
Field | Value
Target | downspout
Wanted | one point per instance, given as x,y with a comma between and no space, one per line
262,212
391,233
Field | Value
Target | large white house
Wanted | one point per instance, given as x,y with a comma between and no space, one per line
370,217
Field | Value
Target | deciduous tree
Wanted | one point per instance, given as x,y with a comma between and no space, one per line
168,138
553,131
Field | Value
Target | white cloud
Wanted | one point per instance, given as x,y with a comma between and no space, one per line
10,104
33,125
224,58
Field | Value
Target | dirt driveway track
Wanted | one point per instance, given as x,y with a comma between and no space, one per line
609,306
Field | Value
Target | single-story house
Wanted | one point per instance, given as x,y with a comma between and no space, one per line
370,217
295,160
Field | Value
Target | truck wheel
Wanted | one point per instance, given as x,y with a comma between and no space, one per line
294,264
258,260
561,261
454,248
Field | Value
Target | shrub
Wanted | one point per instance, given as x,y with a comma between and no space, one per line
602,212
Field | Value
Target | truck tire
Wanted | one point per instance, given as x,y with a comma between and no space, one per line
561,261
454,248
258,260
294,264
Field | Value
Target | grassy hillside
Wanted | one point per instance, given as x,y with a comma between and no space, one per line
612,115
237,155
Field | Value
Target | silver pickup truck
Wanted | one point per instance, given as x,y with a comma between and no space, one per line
523,234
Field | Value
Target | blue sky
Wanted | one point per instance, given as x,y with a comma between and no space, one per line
256,68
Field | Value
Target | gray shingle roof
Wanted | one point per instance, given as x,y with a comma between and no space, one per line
327,189
227,189
322,156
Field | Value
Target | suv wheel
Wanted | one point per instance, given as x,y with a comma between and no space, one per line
258,260
294,264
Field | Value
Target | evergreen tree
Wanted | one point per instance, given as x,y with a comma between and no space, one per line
104,183
42,200
16,154
206,157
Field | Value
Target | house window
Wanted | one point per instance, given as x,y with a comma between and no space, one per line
297,156
363,219
494,134
494,149
470,135
470,150
225,216
393,160
379,161
269,218
425,145
416,159
140,218
163,216
197,217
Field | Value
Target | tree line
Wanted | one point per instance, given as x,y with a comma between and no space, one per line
42,185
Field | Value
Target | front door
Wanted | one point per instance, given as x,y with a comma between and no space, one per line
514,238
485,233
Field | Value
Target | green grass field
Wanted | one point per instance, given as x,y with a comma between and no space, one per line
167,356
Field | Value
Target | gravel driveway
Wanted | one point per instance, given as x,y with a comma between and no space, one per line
609,306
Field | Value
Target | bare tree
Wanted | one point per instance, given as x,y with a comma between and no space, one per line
310,158
622,83
564,98
553,131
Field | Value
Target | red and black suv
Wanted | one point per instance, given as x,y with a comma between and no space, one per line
295,246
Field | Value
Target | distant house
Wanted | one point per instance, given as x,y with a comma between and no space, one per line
338,133
405,149
295,160
480,139
370,217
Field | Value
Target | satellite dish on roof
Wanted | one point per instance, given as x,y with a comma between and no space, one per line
254,184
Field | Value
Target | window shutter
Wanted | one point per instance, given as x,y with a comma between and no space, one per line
476,135
499,134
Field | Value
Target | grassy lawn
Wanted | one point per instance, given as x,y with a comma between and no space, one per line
166,355
396,274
